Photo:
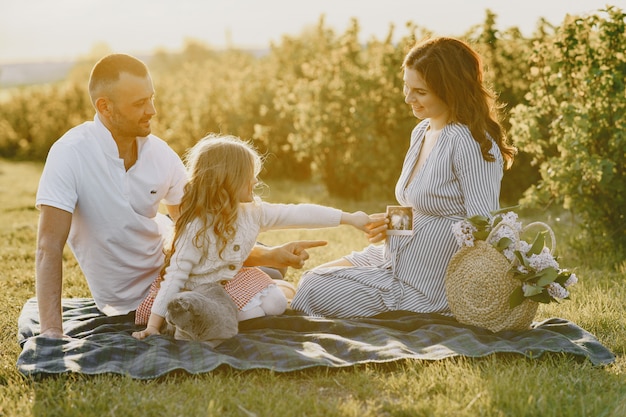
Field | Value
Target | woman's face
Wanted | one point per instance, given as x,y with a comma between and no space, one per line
425,104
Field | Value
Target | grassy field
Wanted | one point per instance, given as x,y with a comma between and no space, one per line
500,385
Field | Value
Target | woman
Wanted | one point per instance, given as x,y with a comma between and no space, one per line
452,170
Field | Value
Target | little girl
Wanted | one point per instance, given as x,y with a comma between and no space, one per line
220,219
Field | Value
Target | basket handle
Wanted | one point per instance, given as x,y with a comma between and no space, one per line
550,232
526,228
502,224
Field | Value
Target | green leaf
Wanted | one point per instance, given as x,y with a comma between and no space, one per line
543,297
562,277
538,244
496,221
546,276
530,290
517,274
517,297
503,243
521,259
479,221
481,235
530,278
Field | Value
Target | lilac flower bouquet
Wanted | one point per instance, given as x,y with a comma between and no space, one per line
532,262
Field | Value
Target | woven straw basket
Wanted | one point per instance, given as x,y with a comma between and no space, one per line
478,284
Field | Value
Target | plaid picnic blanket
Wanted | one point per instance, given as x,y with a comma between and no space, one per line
99,344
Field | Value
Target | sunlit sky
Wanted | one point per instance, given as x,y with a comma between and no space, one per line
41,30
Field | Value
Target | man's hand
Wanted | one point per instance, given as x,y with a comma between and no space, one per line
53,332
292,254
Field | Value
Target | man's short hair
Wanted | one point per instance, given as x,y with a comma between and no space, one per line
107,71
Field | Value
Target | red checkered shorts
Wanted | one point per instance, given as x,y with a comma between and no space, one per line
247,283
143,311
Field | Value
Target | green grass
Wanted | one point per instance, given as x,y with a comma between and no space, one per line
501,385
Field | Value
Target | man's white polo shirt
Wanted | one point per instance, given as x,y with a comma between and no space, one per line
115,232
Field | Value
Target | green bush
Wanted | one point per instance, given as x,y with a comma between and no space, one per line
348,113
574,126
506,66
36,116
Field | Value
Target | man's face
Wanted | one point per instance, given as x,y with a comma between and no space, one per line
132,106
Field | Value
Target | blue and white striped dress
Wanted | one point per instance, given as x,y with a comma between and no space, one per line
407,272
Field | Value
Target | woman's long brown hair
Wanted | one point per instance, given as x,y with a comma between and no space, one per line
453,71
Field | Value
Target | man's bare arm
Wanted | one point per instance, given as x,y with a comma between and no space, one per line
291,254
54,227
173,211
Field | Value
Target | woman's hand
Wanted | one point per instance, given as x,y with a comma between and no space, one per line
377,229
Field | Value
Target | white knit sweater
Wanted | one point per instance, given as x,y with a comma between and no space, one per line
191,266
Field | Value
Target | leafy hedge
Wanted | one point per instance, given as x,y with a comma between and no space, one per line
326,107
574,126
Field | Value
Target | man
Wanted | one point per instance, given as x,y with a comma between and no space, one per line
100,192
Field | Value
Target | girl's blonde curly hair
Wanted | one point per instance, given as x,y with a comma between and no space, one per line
218,168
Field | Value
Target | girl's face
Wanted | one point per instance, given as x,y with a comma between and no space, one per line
246,194
425,104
